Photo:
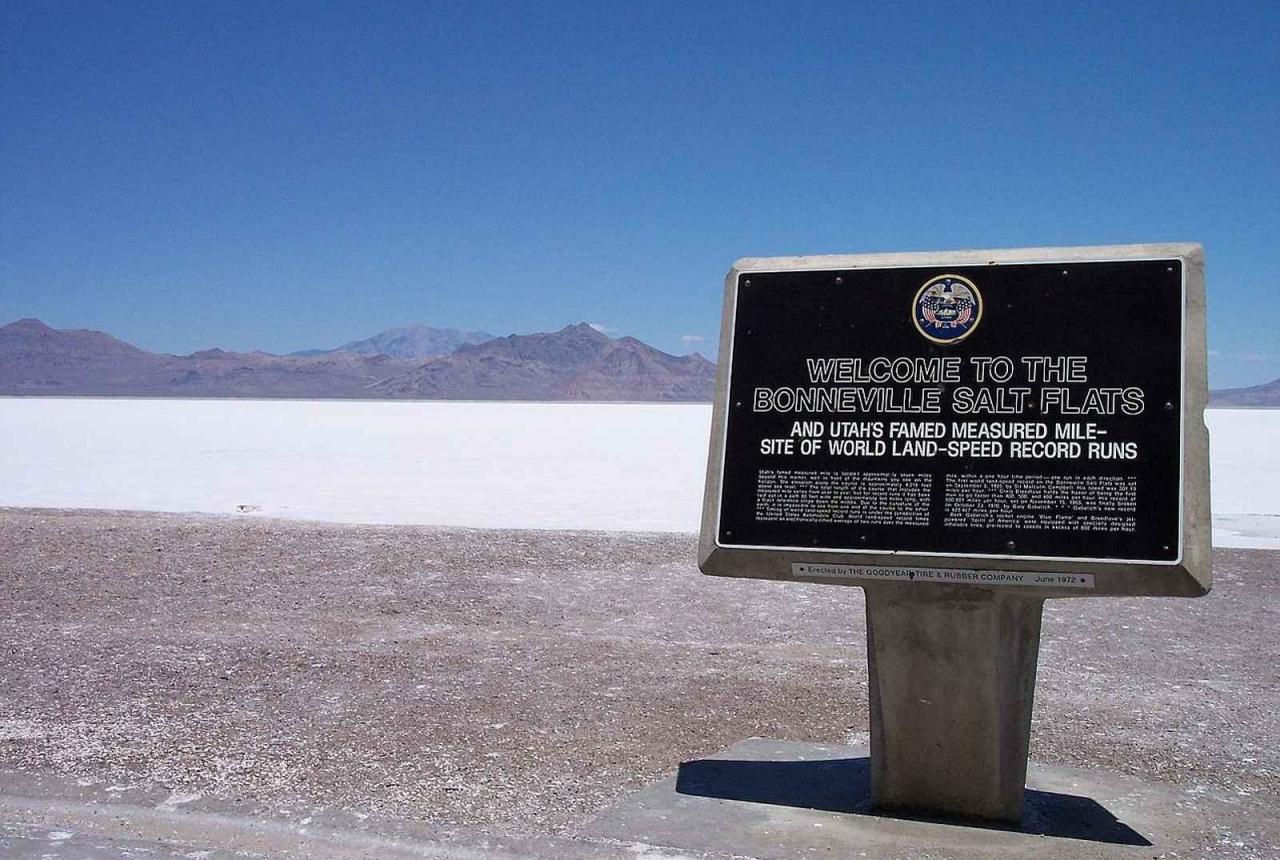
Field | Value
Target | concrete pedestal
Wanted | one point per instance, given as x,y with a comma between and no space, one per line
784,800
952,678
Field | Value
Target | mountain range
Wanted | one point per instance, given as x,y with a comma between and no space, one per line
575,363
1265,396
415,362
410,341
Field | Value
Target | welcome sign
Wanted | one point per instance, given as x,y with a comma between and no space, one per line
1037,411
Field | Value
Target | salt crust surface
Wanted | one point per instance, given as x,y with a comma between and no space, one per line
492,465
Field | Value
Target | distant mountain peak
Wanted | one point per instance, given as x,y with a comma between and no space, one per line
32,334
1264,396
28,324
409,341
577,362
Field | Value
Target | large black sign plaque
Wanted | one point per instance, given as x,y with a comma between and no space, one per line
1013,411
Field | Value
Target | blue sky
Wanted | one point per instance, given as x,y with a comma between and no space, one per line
281,175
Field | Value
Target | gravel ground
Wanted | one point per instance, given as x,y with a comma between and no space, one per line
518,682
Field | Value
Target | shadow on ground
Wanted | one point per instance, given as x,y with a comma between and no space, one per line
844,785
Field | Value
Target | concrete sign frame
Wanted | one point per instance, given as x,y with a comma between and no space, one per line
1189,576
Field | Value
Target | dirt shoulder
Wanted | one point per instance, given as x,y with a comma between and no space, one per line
519,682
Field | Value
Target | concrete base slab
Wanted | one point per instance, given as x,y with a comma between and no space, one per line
779,799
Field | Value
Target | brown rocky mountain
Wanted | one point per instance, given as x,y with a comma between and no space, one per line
576,363
410,341
1265,396
37,359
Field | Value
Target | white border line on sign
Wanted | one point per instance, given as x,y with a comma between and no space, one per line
946,575
1182,415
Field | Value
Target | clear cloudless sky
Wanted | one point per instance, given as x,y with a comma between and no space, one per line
287,175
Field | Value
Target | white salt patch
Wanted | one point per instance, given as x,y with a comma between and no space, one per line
495,465
20,730
504,465
1244,447
178,798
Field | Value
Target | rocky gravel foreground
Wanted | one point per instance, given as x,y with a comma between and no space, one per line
517,682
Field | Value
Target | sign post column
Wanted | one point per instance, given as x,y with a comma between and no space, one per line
952,677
